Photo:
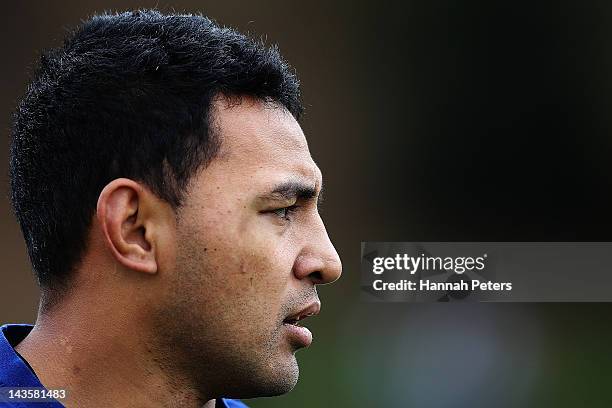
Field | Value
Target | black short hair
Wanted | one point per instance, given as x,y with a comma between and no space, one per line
126,95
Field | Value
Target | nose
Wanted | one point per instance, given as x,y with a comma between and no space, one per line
318,261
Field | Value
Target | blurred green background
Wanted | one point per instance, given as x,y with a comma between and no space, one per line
431,121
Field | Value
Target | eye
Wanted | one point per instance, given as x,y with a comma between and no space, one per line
285,212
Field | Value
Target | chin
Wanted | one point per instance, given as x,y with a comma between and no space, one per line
278,378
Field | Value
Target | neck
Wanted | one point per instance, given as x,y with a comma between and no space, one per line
102,357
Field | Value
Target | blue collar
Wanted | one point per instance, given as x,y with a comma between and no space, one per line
14,372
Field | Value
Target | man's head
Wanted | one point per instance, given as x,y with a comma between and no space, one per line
157,160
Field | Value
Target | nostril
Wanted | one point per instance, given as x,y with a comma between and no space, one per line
316,277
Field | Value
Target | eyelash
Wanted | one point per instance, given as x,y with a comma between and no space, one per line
285,212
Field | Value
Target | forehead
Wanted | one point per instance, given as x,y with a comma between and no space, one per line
258,137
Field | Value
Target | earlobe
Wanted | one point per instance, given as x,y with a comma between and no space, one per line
123,219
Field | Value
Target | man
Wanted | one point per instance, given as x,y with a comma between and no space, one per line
168,201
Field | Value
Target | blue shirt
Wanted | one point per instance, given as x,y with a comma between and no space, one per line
15,372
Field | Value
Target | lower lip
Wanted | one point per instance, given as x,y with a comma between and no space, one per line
300,334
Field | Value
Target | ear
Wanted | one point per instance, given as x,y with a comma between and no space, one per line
133,221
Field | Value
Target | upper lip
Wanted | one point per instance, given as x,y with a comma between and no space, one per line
312,309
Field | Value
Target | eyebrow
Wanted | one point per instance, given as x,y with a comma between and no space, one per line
294,190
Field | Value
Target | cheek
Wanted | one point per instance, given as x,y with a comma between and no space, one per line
253,254
256,272
245,270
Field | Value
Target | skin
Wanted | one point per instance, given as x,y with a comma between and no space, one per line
179,308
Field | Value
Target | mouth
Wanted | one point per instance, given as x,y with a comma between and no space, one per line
300,335
310,310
